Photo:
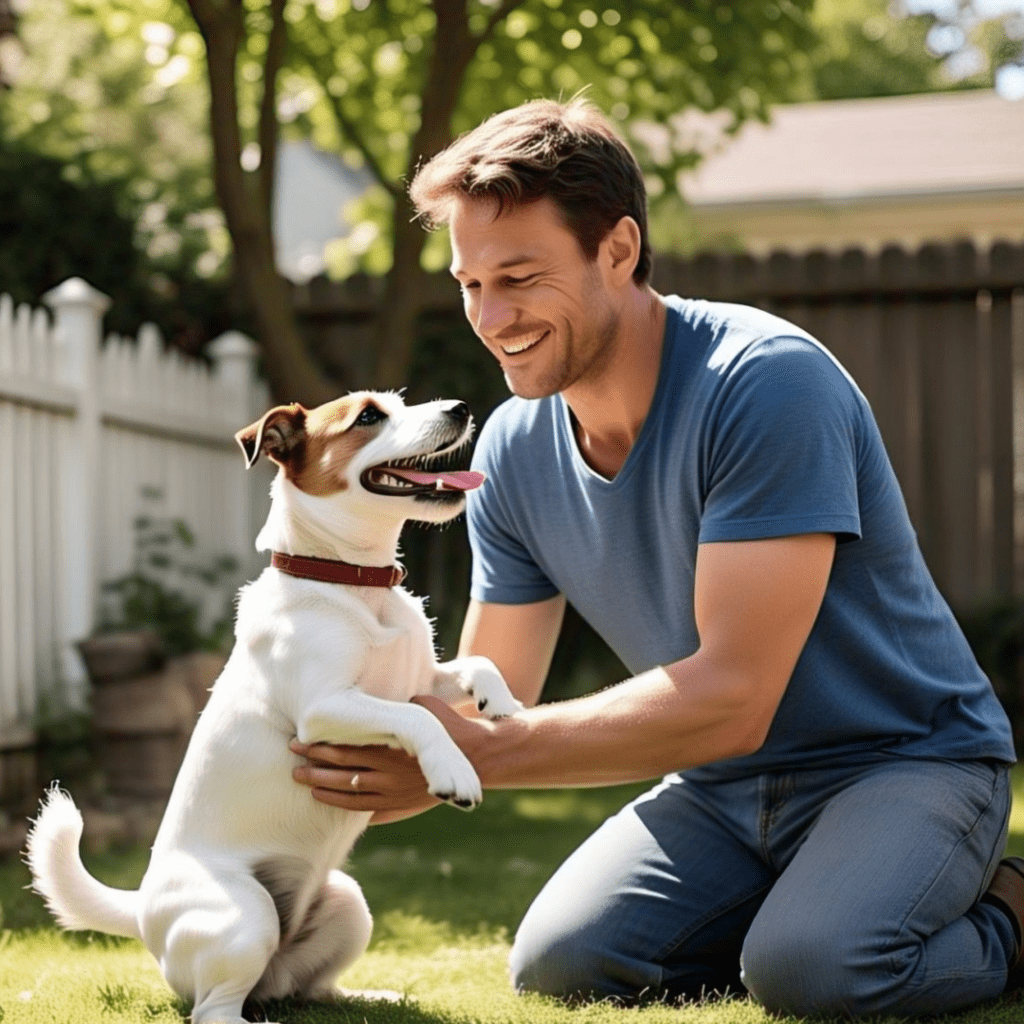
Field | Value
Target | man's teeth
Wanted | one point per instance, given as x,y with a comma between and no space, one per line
527,341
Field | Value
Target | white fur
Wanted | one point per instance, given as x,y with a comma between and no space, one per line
324,662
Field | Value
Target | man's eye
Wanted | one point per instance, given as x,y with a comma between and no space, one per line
519,280
370,415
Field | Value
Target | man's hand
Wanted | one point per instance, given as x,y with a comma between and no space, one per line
384,780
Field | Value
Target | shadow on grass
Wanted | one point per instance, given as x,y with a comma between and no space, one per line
350,1011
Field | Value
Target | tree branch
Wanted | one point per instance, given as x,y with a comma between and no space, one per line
350,131
277,45
222,31
496,18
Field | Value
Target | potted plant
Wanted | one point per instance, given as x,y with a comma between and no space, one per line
164,634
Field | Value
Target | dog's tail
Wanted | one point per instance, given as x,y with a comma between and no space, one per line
74,897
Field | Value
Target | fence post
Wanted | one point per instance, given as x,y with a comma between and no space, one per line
78,311
234,358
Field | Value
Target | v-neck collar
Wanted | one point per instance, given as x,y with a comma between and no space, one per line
583,468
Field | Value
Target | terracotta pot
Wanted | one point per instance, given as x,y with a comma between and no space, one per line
122,655
142,724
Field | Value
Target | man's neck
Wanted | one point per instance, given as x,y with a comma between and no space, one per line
609,411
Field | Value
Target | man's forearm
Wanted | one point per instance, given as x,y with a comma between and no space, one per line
667,719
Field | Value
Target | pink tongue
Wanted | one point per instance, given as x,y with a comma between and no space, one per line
458,480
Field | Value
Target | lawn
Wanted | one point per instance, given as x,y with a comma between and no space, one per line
447,890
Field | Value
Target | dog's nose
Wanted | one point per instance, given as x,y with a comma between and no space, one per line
459,412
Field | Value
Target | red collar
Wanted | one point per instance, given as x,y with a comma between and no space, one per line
329,570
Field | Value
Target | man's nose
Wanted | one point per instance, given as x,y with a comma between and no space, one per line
495,313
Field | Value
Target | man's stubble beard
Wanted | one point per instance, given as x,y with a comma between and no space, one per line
581,362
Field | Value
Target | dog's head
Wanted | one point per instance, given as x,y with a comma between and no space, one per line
371,448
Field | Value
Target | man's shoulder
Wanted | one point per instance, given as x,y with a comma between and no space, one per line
743,340
744,325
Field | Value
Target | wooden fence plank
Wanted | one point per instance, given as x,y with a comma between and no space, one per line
1001,426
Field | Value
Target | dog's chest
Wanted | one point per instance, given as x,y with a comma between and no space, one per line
404,663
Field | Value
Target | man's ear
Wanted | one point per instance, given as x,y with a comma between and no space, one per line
622,245
279,433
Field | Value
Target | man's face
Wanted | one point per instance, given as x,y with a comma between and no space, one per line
531,295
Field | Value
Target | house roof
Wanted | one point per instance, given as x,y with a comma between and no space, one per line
844,150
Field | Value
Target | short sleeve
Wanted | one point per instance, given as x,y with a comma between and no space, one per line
504,572
781,453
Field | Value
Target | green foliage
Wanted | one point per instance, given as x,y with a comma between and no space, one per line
877,48
118,86
169,586
52,213
92,146
866,51
357,74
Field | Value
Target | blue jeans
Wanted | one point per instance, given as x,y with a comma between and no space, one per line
824,891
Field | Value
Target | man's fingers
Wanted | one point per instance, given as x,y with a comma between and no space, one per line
437,707
362,781
353,758
349,801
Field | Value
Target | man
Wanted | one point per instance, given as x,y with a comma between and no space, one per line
708,488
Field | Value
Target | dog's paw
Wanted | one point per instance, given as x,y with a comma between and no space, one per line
498,705
451,778
486,685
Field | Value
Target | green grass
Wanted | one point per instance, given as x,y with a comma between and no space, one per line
447,890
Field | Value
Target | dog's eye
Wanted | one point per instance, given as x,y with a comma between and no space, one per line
370,415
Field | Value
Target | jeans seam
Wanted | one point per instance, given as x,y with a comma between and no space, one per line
696,926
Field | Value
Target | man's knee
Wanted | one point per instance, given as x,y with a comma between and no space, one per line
798,972
563,966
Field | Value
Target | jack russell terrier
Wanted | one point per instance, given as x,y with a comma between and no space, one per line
242,897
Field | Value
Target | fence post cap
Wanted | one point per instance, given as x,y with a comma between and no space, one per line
76,292
233,345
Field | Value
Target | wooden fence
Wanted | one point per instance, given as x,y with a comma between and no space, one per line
935,339
85,427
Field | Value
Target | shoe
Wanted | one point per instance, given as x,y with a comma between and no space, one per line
1006,891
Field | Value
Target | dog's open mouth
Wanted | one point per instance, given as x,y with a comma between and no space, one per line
420,476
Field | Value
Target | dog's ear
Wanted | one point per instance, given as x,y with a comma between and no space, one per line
279,433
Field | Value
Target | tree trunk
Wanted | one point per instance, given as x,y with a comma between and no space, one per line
291,372
405,286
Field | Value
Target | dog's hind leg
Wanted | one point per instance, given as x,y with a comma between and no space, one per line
222,948
334,932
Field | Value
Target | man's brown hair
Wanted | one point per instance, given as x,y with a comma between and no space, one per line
566,152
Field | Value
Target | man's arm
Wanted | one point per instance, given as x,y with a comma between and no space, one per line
519,638
755,604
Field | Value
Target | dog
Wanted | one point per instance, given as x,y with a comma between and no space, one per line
242,897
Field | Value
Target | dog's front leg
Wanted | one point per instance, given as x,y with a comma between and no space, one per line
356,718
478,678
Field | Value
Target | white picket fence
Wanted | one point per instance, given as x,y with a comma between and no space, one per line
86,426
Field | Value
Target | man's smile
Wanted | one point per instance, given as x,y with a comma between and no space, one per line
522,343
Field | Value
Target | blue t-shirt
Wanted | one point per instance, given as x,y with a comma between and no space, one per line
754,431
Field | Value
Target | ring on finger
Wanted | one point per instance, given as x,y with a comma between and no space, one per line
355,781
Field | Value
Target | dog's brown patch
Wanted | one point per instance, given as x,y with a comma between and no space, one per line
332,440
313,446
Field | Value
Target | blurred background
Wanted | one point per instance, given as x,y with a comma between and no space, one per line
203,211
